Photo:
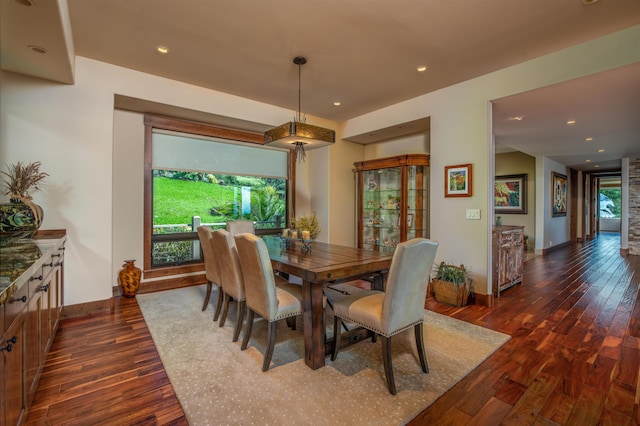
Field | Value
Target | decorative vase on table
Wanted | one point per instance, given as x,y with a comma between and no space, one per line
129,277
19,220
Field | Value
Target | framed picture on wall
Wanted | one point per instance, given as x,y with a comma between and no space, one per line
558,194
510,194
458,180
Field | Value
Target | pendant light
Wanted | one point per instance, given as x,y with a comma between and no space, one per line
297,134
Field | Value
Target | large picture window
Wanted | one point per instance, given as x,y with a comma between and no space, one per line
202,175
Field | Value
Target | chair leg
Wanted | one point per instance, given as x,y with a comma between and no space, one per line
271,341
216,314
420,344
247,330
207,296
291,323
337,327
239,318
388,367
225,309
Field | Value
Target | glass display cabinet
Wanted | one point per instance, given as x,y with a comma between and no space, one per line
392,201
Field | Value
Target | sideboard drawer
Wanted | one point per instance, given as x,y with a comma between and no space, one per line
16,303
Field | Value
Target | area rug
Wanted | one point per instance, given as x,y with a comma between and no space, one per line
218,384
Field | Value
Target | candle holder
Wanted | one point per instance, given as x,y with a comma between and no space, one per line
305,246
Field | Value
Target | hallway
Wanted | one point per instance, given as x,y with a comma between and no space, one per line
574,356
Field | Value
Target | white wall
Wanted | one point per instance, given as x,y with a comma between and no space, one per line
550,231
461,133
95,184
70,128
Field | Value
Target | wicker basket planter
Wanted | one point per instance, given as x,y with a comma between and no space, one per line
455,294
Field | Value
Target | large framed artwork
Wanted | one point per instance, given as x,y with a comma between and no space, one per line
558,194
458,180
510,194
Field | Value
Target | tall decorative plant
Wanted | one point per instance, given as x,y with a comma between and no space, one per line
21,217
21,178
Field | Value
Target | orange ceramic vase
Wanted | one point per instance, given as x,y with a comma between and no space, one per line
129,278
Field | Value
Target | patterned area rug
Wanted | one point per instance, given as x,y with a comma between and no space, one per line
217,383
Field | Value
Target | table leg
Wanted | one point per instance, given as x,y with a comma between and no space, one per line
313,324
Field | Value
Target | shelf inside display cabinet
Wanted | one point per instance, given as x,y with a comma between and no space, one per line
392,201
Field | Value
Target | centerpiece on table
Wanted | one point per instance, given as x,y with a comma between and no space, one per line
21,217
305,228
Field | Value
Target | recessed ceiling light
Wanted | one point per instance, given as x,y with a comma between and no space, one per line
516,117
38,49
337,103
596,166
422,68
587,161
162,49
601,150
589,1
588,139
571,122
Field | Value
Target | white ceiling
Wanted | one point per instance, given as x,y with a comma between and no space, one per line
363,53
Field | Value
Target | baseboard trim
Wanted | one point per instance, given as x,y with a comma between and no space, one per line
556,247
624,252
106,305
88,308
484,299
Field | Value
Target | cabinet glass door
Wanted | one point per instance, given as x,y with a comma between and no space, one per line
381,209
417,202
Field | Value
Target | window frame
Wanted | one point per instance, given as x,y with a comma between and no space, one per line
166,123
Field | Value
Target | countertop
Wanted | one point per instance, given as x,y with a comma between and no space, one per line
22,259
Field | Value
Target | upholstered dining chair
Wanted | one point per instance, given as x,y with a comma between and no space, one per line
268,295
236,227
398,308
231,277
212,271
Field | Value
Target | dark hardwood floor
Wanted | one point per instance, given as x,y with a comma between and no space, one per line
573,359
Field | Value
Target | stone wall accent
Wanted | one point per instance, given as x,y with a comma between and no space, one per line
634,207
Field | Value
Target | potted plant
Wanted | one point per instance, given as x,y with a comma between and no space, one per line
308,223
451,284
21,217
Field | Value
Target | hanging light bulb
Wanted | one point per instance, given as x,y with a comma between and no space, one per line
299,152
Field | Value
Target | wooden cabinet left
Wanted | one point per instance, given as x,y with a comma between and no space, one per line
30,315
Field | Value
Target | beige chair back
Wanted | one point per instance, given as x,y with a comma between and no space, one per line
407,283
212,270
230,272
236,227
259,282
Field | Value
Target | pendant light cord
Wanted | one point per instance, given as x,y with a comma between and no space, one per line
299,89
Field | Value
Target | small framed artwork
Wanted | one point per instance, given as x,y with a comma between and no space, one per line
558,194
458,180
510,194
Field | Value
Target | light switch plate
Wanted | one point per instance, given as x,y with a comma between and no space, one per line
473,214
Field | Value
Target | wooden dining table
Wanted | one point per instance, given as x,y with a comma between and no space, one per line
319,265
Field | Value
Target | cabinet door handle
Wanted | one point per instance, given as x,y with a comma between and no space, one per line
36,278
47,264
44,288
19,299
10,343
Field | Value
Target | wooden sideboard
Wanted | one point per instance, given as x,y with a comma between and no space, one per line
508,257
31,278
